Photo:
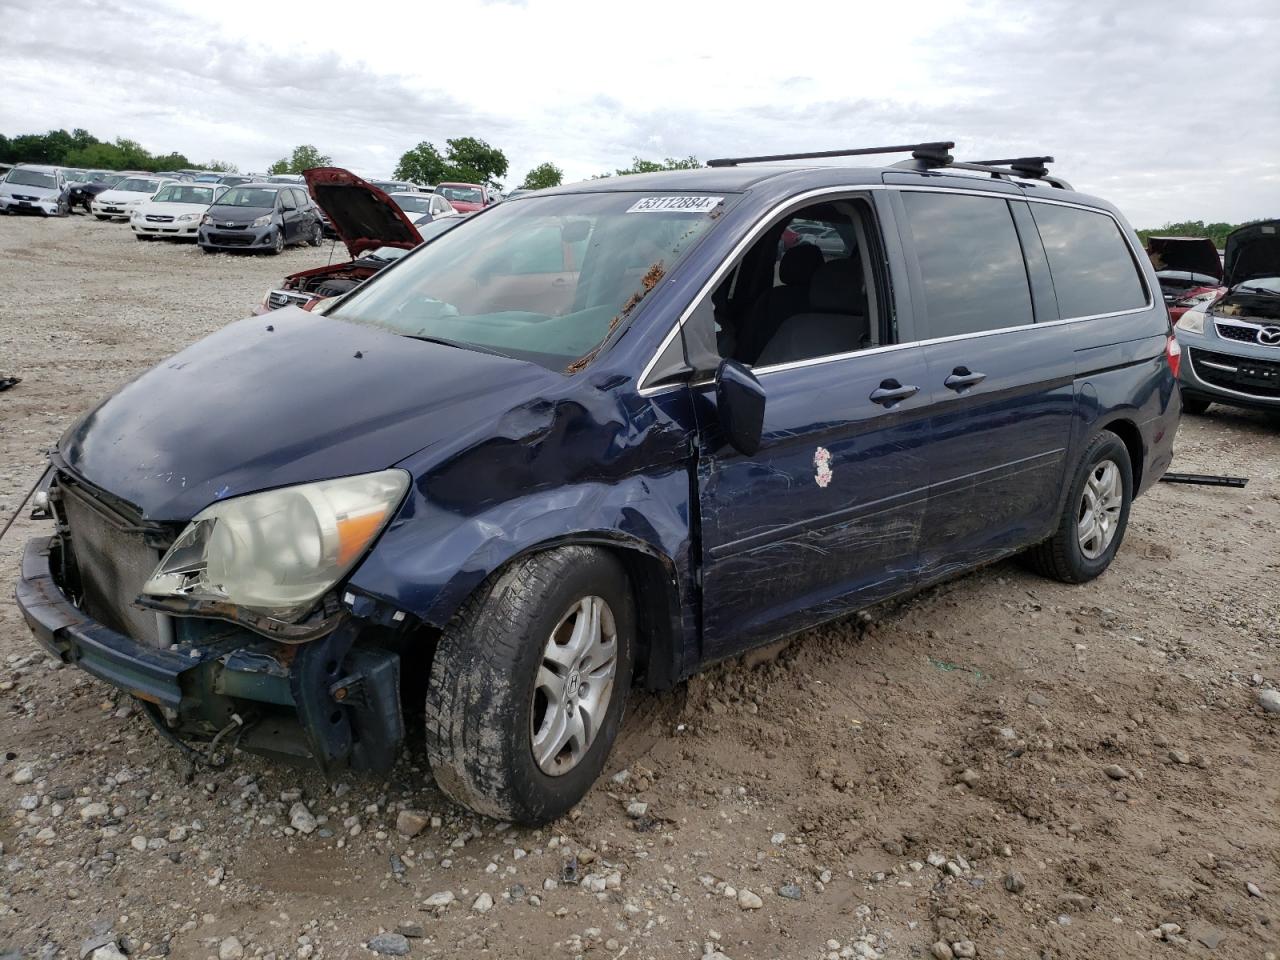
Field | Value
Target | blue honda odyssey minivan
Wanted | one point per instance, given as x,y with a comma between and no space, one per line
601,436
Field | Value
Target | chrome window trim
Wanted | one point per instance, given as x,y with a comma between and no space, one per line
753,234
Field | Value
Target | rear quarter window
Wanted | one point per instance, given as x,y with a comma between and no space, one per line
1093,268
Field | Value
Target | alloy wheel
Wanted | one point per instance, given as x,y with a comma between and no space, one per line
574,686
1099,511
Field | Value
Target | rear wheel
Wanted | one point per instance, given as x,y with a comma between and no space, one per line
529,684
1096,515
1193,405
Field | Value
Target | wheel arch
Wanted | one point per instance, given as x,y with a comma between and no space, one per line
654,585
1129,434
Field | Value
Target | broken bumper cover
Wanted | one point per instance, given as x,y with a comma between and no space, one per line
74,638
347,700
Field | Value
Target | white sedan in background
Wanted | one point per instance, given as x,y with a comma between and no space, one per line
174,211
118,202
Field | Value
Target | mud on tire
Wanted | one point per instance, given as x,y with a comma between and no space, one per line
482,694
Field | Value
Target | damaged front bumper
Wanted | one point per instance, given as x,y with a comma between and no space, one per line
326,700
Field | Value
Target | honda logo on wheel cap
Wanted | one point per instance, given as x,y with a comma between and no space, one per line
1269,336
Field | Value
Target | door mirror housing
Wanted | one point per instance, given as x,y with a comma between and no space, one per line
740,402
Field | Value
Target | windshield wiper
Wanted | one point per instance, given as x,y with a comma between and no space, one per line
456,344
1267,290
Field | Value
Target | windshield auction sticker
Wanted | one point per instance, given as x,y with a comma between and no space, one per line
681,204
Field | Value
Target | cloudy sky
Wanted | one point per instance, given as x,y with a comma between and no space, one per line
1169,108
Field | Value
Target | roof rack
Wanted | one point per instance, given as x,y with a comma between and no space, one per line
935,153
924,156
1027,168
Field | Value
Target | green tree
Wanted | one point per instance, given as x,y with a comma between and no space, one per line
1217,232
467,159
542,176
423,164
640,165
304,157
474,161
219,166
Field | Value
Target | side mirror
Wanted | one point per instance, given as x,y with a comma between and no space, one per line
740,402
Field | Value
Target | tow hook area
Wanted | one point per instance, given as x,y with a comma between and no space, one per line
348,702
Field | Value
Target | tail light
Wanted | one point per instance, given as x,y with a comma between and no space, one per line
1173,353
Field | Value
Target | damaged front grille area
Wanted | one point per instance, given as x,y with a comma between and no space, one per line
113,552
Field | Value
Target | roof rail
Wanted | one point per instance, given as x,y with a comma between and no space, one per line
935,153
1027,168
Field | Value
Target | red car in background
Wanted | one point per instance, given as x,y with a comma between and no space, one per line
465,197
1189,270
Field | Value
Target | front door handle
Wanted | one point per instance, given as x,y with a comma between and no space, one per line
891,392
962,379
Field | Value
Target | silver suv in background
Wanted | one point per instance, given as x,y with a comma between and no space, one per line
1233,340
28,188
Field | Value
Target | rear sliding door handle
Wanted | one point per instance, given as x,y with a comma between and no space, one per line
962,379
890,393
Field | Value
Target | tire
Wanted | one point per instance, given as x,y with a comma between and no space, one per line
278,246
1195,406
487,701
1064,556
317,235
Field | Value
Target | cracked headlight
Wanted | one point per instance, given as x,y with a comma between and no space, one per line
275,553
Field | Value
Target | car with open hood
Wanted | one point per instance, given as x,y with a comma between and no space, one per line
260,216
1189,270
597,436
1233,338
175,211
30,188
375,228
118,202
81,194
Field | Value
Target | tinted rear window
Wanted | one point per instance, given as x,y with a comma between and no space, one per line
1092,266
970,262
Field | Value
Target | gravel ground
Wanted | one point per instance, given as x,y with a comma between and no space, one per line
999,767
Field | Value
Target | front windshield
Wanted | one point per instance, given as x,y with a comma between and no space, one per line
465,194
248,197
138,185
545,279
32,178
184,193
413,202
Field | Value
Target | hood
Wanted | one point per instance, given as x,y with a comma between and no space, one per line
252,407
361,214
1185,254
122,196
225,213
1253,251
167,209
13,189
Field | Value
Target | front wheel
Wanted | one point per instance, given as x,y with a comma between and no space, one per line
1096,515
529,684
277,245
317,235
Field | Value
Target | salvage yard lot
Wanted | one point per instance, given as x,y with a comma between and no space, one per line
1038,769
